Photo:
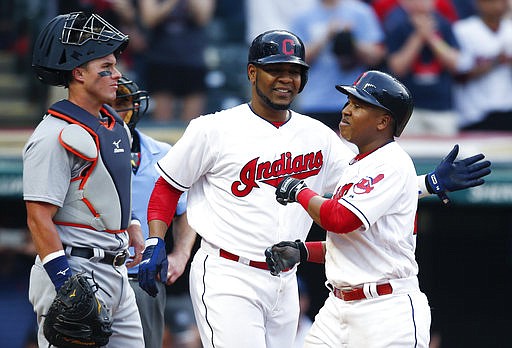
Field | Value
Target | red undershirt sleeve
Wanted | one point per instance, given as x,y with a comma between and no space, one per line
334,217
163,201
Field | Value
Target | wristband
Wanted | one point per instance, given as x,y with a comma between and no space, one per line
305,196
57,268
135,222
434,186
315,252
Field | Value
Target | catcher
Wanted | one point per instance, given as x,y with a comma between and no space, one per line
77,191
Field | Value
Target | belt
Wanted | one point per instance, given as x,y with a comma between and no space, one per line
99,255
369,290
133,276
227,255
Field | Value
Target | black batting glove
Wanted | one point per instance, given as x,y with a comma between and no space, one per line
285,255
288,189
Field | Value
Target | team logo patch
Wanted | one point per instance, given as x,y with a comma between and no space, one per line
366,184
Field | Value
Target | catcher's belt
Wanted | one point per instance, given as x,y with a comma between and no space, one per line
115,259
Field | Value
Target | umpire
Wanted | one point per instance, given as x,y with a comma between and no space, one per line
77,188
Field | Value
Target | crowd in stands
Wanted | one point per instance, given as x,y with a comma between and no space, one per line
454,55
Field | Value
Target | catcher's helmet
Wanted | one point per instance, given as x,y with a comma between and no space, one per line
71,40
385,91
279,46
136,101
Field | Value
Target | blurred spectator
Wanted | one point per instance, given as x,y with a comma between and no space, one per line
129,18
465,8
482,97
423,54
264,15
445,7
342,39
176,67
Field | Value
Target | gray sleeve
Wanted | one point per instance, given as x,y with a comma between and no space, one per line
47,166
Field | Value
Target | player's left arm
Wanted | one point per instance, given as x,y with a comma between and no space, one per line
136,240
184,238
451,175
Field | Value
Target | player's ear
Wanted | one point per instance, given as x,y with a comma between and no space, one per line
385,121
78,73
251,72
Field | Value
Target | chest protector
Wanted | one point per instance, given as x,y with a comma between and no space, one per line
99,198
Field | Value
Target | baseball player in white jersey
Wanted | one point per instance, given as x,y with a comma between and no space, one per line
230,163
370,265
77,178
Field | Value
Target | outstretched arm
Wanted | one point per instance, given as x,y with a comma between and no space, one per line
451,175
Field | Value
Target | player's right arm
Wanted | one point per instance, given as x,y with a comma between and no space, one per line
161,209
285,255
40,223
47,241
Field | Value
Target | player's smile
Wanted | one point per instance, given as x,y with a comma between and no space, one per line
283,91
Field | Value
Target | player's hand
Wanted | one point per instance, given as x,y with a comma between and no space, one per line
177,262
136,240
288,189
153,265
451,175
285,255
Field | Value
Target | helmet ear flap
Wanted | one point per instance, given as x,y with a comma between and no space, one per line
303,79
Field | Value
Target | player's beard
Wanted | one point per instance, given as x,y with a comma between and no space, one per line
269,102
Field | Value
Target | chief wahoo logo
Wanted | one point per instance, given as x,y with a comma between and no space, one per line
365,185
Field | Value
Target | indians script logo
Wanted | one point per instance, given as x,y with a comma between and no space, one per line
365,185
271,173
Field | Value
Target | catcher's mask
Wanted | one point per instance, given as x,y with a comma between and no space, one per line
132,100
71,40
386,92
279,46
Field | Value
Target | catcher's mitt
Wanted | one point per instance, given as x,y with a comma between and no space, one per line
76,317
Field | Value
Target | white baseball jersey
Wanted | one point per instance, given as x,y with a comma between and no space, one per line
474,99
381,189
232,161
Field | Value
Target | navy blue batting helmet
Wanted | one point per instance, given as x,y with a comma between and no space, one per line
384,91
279,46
